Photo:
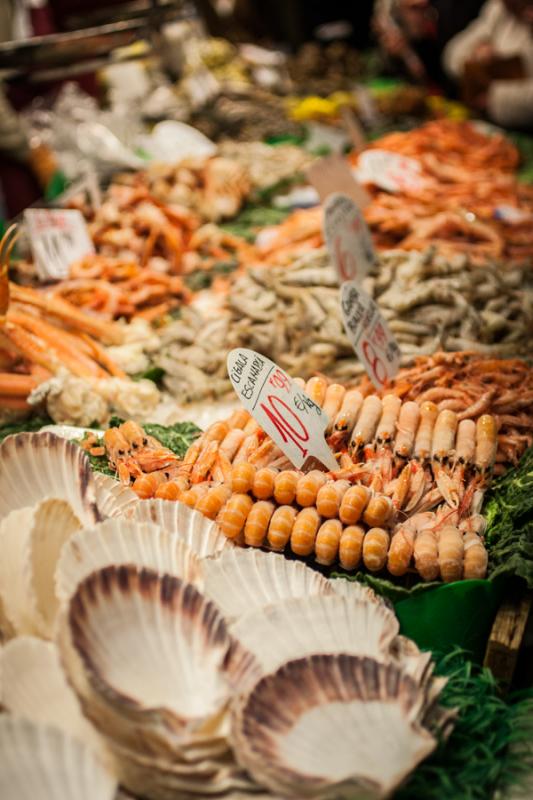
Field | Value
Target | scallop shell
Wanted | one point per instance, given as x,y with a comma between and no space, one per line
124,541
113,498
151,659
34,686
201,534
240,580
39,465
305,626
332,726
354,589
38,761
31,540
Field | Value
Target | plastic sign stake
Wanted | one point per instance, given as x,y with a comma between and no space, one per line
348,238
282,409
369,334
57,238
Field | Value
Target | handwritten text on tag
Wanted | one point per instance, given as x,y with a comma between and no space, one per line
348,238
390,171
57,237
282,409
369,334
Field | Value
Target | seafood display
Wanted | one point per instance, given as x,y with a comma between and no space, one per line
128,659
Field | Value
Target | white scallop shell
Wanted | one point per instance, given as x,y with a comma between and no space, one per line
113,498
150,658
304,626
355,589
31,540
39,465
34,686
200,533
38,761
124,541
332,726
240,580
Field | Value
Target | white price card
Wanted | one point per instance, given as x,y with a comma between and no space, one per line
348,238
57,238
369,334
390,171
282,409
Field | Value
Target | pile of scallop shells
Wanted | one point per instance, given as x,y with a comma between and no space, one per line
142,652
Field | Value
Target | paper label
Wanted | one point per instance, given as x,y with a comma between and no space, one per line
390,171
282,409
348,238
334,174
57,238
369,334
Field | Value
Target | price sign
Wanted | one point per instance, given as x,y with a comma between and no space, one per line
57,238
390,171
369,334
348,238
334,174
291,419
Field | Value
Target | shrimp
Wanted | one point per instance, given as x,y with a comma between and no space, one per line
316,388
146,486
205,462
263,483
231,443
249,445
304,531
134,434
267,452
332,403
281,525
349,411
378,511
327,541
351,546
444,435
232,516
375,547
189,459
309,486
242,477
426,555
216,432
353,504
401,488
285,484
238,419
329,498
486,443
465,444
424,435
406,429
252,426
210,503
257,522
475,556
169,490
192,497
387,424
367,422
221,469
451,551
401,548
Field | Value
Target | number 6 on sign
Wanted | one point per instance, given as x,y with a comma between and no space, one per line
291,419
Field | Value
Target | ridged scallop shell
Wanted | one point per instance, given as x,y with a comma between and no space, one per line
199,533
113,498
241,580
30,541
332,726
42,762
124,541
306,626
355,589
34,686
39,465
151,659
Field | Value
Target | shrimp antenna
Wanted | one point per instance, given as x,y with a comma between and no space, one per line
7,243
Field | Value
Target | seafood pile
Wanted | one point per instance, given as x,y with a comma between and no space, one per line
406,495
267,165
436,303
141,650
470,384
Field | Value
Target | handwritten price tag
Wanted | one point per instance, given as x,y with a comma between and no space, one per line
348,238
57,238
291,419
390,171
369,334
